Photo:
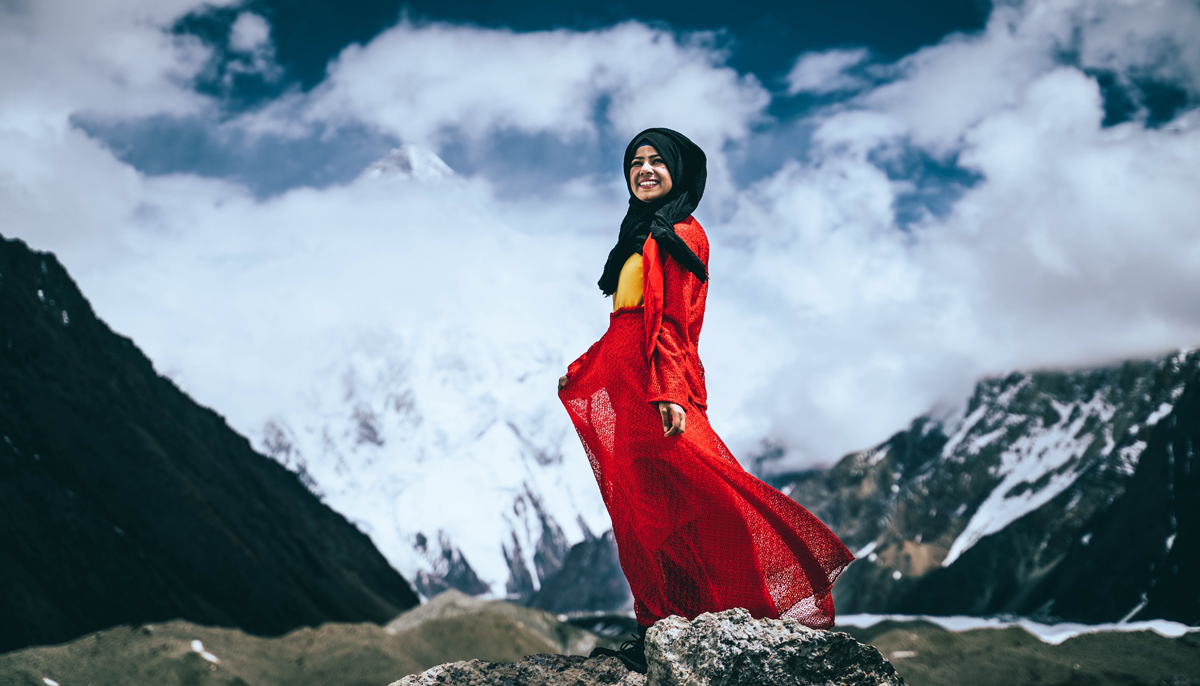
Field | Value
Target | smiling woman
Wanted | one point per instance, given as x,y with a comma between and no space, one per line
694,531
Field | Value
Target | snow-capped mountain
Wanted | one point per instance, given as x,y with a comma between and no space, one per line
442,436
409,161
1065,494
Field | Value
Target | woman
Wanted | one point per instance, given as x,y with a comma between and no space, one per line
694,531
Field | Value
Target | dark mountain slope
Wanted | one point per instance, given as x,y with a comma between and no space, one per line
1061,495
123,501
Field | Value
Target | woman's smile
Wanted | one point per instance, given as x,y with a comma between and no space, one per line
648,176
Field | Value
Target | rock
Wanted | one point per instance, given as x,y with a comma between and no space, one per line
732,648
455,614
534,670
729,648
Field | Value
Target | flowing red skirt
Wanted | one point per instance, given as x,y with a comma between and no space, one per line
696,533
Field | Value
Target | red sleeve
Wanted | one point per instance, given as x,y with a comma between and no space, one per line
574,366
670,356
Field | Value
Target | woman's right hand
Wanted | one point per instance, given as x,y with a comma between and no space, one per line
562,382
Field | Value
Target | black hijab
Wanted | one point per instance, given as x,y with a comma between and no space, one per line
688,168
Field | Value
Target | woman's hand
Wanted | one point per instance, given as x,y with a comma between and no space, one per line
562,382
674,418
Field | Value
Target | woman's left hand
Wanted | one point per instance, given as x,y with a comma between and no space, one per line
674,418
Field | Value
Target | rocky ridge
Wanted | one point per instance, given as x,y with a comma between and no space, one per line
729,648
124,501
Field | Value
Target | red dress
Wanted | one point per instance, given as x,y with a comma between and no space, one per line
696,533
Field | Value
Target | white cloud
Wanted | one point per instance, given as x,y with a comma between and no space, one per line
421,82
826,72
59,57
249,33
1078,246
1151,39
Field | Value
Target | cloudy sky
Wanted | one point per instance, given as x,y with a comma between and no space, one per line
903,196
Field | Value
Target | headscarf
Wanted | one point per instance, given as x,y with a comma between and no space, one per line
687,165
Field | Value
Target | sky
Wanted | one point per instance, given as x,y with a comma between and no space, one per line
903,197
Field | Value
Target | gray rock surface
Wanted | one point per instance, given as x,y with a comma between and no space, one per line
534,670
732,648
728,648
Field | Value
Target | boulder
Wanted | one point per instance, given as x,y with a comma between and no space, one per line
732,648
729,648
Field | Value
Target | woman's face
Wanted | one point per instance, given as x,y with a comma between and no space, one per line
648,175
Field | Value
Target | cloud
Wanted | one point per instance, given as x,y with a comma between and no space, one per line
250,33
59,57
832,320
422,82
825,72
1077,244
254,54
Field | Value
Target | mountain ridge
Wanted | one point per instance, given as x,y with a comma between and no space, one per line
123,501
1055,495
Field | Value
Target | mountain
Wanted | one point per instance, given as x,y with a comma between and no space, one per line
1063,495
444,440
123,501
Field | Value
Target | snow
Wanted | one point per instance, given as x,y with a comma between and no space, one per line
1043,452
445,435
866,550
1136,609
1129,456
198,647
878,455
964,429
1162,411
980,442
1053,634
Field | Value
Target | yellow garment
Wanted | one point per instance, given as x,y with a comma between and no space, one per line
629,285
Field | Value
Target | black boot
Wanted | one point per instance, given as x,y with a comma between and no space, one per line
632,653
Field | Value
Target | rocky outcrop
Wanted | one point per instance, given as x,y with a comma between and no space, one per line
729,648
733,649
122,501
448,613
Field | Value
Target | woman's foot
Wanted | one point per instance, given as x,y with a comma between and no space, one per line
632,653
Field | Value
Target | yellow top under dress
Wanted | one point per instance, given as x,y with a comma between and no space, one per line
629,285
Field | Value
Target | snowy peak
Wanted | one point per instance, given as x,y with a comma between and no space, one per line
410,162
450,456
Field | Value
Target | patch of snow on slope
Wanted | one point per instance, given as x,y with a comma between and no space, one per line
1156,416
1041,455
980,442
964,429
1129,457
1053,634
